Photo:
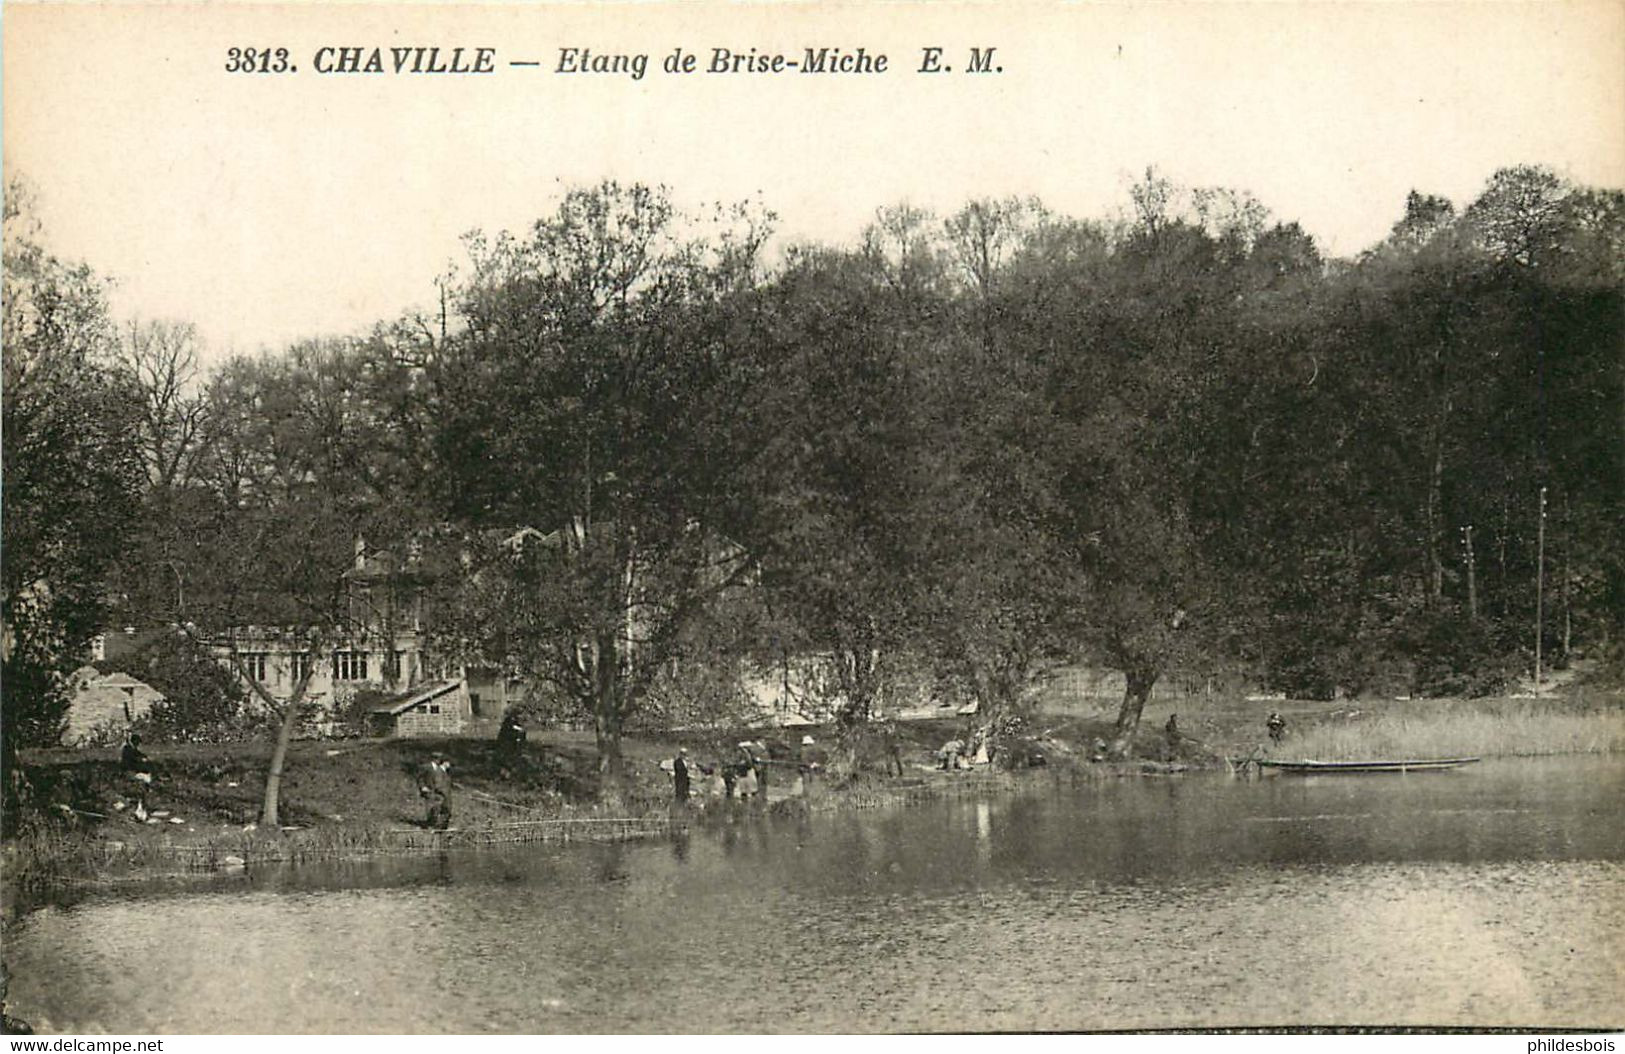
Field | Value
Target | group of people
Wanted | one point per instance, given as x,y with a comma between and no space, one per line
959,754
742,776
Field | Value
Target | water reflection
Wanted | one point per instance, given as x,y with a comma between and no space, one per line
1482,897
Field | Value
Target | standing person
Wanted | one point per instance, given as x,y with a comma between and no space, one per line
894,754
435,788
751,769
715,785
679,776
1276,725
764,761
1173,736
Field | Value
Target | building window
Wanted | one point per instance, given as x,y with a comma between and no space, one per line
254,663
299,665
434,708
350,666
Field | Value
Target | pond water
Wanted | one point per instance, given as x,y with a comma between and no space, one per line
1493,895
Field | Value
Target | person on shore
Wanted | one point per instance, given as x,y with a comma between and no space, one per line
1276,726
755,756
893,748
435,789
511,736
679,776
948,757
130,757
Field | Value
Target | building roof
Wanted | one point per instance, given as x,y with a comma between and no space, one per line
120,680
423,693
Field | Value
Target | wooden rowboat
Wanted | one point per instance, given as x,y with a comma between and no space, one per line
1305,768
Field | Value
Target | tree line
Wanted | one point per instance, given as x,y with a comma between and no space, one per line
626,452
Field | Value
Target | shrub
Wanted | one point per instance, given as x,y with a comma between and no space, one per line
203,702
352,711
1452,654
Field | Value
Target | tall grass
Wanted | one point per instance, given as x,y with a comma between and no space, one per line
1512,728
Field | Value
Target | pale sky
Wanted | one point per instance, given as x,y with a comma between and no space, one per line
269,207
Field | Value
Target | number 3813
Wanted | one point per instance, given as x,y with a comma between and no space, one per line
257,60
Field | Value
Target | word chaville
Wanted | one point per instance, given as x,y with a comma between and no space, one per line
405,60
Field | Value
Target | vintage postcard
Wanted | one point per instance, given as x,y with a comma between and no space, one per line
801,518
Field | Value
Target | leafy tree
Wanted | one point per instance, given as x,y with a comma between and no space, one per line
844,477
203,701
71,473
1132,382
293,502
590,400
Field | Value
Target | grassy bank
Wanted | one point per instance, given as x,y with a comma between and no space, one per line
1451,728
359,797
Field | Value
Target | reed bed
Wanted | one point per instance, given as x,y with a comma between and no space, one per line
1511,728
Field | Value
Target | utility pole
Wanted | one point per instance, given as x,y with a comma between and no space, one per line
1540,582
1472,575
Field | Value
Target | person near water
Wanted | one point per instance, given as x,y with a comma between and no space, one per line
679,775
130,757
1172,737
435,789
1276,726
511,736
893,748
755,756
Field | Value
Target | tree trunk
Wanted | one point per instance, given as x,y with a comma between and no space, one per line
270,808
1502,586
607,731
1568,573
1435,558
608,713
270,802
1140,680
860,684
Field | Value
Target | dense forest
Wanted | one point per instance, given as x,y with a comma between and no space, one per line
1176,442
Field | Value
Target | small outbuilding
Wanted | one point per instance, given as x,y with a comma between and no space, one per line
104,706
435,709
